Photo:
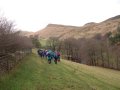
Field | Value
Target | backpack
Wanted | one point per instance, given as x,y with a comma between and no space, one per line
58,53
55,55
48,54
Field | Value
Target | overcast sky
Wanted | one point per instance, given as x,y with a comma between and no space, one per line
33,15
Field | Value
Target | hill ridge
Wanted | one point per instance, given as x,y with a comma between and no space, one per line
86,31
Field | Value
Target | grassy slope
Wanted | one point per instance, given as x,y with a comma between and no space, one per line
36,74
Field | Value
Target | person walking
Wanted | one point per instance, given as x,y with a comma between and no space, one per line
49,56
58,54
55,57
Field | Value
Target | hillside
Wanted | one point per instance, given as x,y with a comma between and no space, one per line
34,73
86,31
114,18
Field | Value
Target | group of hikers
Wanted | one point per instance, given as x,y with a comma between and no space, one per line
50,55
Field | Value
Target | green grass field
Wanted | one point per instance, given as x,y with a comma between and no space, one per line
34,73
43,42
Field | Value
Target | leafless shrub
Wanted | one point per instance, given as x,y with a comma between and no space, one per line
10,43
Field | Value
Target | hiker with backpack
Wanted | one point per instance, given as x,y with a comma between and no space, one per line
49,56
56,57
58,54
40,53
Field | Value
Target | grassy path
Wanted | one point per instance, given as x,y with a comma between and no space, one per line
34,73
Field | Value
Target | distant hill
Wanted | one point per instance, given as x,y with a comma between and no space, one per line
26,33
87,31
